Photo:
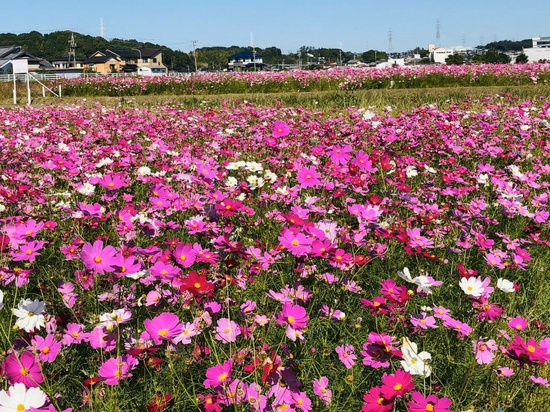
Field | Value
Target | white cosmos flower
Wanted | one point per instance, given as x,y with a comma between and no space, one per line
1,299
505,285
472,286
411,171
405,275
29,315
414,362
86,189
19,398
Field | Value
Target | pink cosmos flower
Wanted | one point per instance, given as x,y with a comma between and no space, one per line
280,129
346,355
423,321
163,327
97,258
484,351
185,255
308,177
297,243
518,323
219,375
320,388
539,380
47,347
28,251
101,338
24,369
74,333
300,401
420,403
227,330
340,155
504,371
115,369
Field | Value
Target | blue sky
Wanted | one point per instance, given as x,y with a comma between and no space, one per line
353,25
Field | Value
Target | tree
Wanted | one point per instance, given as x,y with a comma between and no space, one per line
522,58
372,56
455,59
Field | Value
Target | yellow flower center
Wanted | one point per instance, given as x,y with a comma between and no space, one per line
197,285
183,257
163,332
295,242
429,407
530,348
97,259
45,350
222,377
291,319
397,387
24,371
20,407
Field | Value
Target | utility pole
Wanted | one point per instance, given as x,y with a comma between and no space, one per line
340,53
195,55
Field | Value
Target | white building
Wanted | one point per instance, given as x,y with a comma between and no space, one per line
540,49
440,54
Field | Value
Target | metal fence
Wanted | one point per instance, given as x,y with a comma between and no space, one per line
55,76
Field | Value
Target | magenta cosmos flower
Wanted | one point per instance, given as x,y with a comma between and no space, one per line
280,129
396,384
375,401
219,374
294,316
24,369
420,403
163,327
98,258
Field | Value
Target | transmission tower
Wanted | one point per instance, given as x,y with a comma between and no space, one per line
437,35
390,42
72,51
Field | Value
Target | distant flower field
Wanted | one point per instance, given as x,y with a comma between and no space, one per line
312,81
255,258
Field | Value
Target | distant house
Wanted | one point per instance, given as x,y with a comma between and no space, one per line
244,61
540,49
9,53
68,64
119,60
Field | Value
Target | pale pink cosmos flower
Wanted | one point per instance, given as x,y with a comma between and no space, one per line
115,369
227,330
483,350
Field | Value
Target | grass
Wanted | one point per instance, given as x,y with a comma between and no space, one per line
399,99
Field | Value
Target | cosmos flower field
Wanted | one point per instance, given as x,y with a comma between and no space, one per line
249,258
338,79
